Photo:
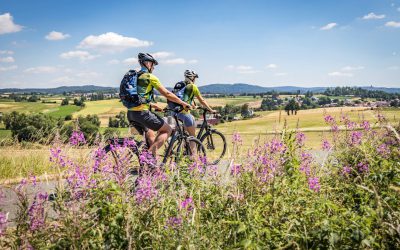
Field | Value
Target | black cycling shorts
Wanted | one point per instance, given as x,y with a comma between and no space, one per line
145,120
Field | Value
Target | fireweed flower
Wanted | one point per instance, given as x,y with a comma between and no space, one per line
146,188
300,138
174,222
36,211
77,138
355,137
236,169
237,139
329,119
313,184
276,146
187,204
306,160
365,125
147,158
99,156
363,167
57,157
3,222
326,145
346,170
383,150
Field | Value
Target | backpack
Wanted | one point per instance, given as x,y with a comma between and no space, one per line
128,90
179,90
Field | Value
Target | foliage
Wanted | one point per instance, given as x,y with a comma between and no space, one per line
88,125
31,127
120,121
64,102
276,195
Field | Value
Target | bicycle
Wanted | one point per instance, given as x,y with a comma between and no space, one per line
177,148
213,140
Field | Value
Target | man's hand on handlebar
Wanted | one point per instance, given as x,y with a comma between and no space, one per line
156,107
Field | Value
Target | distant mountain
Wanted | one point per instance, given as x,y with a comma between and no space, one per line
240,88
218,88
62,89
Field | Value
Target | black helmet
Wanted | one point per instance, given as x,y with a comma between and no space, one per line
191,74
143,57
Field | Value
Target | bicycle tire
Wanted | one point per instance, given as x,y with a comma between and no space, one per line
181,148
211,140
131,161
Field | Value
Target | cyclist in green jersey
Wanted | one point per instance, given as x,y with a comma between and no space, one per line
186,91
140,116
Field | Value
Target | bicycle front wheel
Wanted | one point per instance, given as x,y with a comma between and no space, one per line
124,158
215,145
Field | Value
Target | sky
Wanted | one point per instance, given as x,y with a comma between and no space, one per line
47,43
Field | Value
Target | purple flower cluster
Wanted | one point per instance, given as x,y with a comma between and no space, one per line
346,170
383,150
305,165
300,138
313,184
363,167
57,157
236,169
326,145
355,137
3,222
365,125
146,188
77,138
187,204
147,158
36,211
276,146
329,119
237,139
174,222
99,156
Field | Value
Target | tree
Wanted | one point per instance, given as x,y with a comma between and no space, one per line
33,98
64,102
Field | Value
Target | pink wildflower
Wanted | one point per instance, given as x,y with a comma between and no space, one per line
313,184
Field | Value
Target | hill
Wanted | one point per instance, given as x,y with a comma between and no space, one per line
62,89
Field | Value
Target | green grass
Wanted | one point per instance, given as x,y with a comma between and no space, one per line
33,107
62,111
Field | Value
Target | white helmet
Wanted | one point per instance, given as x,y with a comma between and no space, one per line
191,74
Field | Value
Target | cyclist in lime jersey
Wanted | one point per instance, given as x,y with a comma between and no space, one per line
186,91
140,116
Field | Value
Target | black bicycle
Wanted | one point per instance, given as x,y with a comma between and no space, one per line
214,141
179,146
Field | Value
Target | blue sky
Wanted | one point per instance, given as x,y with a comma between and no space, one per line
269,43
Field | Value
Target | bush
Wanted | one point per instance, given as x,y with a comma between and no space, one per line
110,133
89,126
31,127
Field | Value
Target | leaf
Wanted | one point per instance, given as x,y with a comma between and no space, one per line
242,227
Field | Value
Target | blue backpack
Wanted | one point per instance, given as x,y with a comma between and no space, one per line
128,90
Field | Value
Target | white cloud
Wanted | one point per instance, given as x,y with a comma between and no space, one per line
88,75
112,42
131,61
41,69
64,80
337,73
8,59
82,55
6,52
271,66
175,61
394,68
55,35
114,61
393,24
328,26
194,61
281,74
8,68
242,69
372,15
162,54
7,24
352,68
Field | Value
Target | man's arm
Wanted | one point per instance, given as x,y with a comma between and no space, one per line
204,103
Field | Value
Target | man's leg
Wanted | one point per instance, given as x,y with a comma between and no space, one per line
150,137
162,135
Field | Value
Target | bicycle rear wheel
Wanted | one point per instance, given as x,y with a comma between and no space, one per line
182,149
215,145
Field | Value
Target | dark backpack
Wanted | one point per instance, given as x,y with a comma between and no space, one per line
128,92
179,90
